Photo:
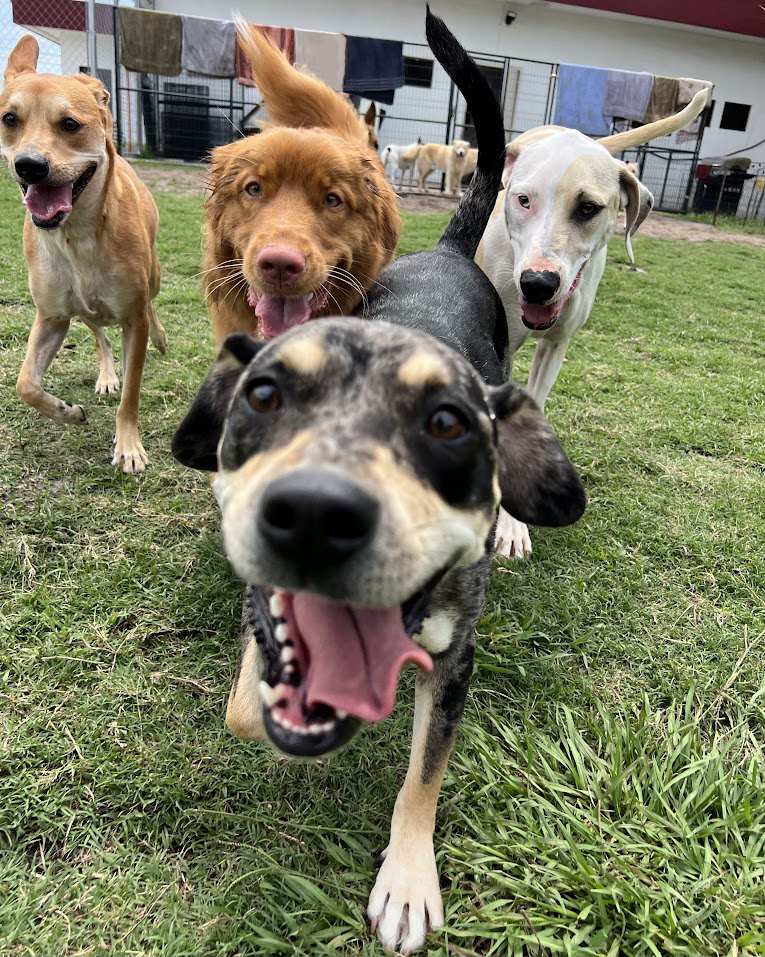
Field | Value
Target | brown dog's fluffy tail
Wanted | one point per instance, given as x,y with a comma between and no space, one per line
294,98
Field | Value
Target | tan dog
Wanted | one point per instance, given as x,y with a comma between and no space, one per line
301,218
89,238
449,159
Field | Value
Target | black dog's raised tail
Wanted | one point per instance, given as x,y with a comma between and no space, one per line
466,226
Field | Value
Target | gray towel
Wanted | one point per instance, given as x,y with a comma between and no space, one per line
627,94
209,46
663,98
150,42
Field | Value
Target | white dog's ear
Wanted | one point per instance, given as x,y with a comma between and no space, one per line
511,155
637,202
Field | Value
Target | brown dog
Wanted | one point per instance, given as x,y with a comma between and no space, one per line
301,218
89,238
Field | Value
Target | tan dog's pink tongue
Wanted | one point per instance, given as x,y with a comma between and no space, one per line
44,202
356,655
277,314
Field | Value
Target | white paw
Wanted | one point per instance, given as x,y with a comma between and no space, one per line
131,455
107,385
512,538
405,903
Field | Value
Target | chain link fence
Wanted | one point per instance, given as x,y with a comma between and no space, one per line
184,117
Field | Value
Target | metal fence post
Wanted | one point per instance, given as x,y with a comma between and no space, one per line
92,45
117,78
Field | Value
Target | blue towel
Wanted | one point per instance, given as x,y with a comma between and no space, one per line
373,65
581,91
627,94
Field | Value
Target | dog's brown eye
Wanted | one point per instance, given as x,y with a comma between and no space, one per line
332,200
587,210
71,125
253,189
446,423
265,397
9,119
524,201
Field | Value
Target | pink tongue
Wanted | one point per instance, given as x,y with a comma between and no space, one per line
536,314
277,314
44,202
355,655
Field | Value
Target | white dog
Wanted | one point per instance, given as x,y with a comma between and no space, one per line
401,158
545,246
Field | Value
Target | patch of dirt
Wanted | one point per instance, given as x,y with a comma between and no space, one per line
190,181
173,178
662,226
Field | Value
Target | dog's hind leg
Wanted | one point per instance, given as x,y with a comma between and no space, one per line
108,382
45,339
157,332
128,449
405,903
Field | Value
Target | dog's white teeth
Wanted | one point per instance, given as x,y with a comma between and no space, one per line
276,605
341,715
281,633
287,654
271,696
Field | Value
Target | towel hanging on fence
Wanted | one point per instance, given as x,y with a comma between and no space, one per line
373,68
323,54
663,98
150,42
627,94
687,88
209,46
283,37
580,93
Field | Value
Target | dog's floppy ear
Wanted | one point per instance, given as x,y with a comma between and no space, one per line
537,481
636,200
511,155
23,58
102,97
195,442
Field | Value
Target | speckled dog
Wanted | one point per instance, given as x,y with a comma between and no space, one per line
360,467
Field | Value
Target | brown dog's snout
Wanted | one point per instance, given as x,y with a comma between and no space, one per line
282,265
317,518
539,287
31,167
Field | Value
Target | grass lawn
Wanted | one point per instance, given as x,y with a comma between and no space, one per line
728,223
607,792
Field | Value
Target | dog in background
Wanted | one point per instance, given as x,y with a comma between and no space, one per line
301,218
545,245
401,158
90,237
370,119
360,465
448,159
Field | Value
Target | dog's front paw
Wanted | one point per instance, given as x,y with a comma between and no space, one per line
405,903
512,537
130,454
69,414
107,384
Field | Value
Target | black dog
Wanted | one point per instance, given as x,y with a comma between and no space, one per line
360,467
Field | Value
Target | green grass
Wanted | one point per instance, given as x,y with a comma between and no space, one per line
729,223
606,795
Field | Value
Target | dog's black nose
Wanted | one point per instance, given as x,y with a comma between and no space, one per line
317,518
31,167
539,287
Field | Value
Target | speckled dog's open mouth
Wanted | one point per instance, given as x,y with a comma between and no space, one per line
49,205
326,667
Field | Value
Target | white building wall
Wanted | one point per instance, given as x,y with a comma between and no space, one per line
736,65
